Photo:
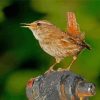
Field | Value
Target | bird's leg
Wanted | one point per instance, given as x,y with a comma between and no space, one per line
74,59
51,67
57,61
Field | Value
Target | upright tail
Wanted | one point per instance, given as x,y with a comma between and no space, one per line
72,25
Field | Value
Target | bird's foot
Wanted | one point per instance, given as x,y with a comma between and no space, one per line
68,68
64,69
50,70
60,69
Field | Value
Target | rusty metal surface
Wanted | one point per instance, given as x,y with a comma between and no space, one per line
59,85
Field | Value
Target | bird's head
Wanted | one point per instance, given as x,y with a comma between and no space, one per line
39,28
37,24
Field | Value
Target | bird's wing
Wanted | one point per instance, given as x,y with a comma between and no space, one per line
64,40
72,26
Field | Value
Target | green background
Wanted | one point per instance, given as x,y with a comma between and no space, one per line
20,54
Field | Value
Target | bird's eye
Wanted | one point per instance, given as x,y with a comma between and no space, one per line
39,24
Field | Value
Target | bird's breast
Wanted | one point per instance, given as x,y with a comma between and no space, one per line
57,49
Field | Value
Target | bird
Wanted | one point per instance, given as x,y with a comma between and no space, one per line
57,43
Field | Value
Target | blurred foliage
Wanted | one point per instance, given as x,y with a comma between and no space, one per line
20,54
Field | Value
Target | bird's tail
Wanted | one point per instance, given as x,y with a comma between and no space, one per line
84,44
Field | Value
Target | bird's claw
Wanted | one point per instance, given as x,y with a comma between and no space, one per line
50,70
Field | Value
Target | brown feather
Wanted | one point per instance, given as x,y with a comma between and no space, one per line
72,26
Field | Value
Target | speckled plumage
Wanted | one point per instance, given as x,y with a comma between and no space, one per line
57,43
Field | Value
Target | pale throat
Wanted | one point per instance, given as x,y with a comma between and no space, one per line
35,34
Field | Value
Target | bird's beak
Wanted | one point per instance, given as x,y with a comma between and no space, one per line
29,25
26,25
